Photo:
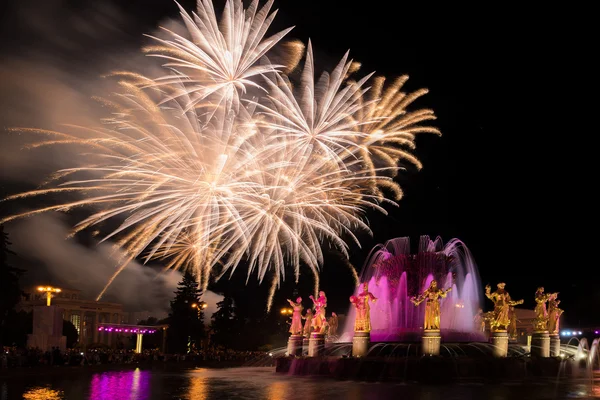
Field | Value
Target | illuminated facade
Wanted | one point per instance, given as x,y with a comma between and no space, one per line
86,315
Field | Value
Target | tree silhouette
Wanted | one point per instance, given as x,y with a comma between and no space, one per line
10,294
70,332
226,325
186,319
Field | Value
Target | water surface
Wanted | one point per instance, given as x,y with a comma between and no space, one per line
261,383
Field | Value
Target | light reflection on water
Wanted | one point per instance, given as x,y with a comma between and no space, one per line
122,385
260,383
43,393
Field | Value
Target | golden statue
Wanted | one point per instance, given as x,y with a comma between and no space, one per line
554,314
333,324
319,322
512,326
479,321
362,323
500,318
308,317
488,317
540,323
296,325
432,307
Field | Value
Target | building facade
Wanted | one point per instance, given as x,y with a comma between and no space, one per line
86,315
525,319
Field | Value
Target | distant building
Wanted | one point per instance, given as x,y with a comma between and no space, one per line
525,319
85,315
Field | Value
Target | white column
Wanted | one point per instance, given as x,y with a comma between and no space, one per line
138,344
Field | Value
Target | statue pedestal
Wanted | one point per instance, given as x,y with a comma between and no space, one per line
305,342
540,344
316,344
431,341
360,344
554,345
499,340
47,329
294,347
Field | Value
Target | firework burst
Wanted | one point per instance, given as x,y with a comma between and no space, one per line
224,160
389,130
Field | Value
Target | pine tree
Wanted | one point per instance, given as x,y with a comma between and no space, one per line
226,325
10,294
186,319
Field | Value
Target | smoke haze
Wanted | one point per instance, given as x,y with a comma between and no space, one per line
54,58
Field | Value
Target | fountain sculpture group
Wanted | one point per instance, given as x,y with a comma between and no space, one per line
545,340
311,334
449,308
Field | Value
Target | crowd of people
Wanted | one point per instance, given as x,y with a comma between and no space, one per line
12,357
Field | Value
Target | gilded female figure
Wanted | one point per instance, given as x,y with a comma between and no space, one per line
479,321
308,317
432,307
502,302
362,323
554,314
296,325
541,313
319,322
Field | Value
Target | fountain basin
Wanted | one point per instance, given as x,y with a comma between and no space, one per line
431,369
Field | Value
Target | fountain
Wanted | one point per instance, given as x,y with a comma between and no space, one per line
435,297
395,275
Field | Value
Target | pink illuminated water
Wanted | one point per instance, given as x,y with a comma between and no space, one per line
394,275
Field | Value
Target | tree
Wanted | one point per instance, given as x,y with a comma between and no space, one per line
226,325
10,294
20,324
149,322
186,319
70,332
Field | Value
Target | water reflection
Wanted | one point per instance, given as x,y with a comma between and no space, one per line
43,393
198,389
122,385
278,390
263,383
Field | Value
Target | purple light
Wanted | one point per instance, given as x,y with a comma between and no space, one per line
596,332
118,328
392,286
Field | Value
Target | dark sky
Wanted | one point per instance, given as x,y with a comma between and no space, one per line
508,85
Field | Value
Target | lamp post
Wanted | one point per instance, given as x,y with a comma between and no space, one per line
287,311
48,290
199,307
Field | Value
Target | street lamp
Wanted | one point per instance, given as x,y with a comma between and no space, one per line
49,290
201,306
287,311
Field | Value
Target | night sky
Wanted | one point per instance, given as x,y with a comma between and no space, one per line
507,177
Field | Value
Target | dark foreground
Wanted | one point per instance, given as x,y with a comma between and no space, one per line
264,383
